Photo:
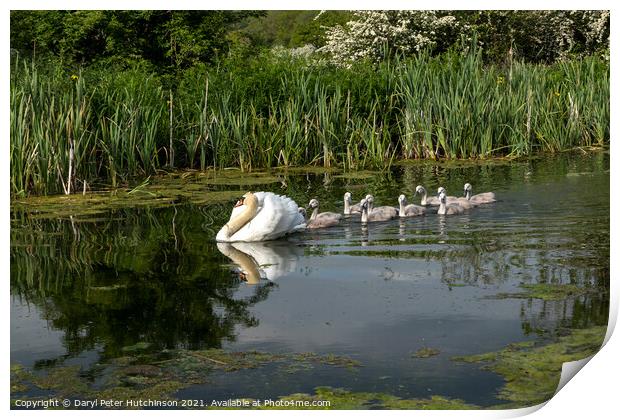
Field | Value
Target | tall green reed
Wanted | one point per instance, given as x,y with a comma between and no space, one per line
52,138
271,111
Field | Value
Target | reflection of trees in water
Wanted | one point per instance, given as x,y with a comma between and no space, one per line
137,278
494,257
552,317
556,257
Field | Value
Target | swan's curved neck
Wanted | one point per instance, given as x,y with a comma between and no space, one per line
442,207
237,222
347,205
401,210
468,194
423,202
365,214
315,213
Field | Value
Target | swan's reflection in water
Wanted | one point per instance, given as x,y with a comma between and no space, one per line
258,261
348,233
443,234
364,235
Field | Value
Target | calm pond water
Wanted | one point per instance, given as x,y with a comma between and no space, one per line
83,289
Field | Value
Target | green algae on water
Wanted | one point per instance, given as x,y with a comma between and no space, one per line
20,378
340,399
230,177
159,375
426,352
93,204
547,291
532,372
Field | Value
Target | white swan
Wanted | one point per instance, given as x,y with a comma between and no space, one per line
348,207
426,201
382,212
448,208
261,216
409,210
372,217
482,198
461,201
321,220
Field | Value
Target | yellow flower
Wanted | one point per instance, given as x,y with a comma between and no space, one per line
500,80
74,77
557,93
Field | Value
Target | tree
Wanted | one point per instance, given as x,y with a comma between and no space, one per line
167,39
293,28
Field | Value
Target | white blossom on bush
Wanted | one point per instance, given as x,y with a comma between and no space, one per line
402,31
300,52
561,33
546,35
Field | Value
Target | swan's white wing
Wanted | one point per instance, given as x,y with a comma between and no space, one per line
385,211
355,208
290,220
463,202
276,216
413,209
483,198
432,201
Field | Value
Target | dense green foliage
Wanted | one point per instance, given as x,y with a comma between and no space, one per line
107,96
167,40
292,28
171,41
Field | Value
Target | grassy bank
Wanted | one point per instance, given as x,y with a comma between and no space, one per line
100,126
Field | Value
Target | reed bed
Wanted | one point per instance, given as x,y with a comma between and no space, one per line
69,131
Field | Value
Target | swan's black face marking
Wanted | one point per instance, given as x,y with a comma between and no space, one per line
240,202
314,203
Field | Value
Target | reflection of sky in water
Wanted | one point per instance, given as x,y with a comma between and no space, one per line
31,337
377,294
332,300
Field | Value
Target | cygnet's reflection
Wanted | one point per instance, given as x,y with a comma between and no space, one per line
401,230
262,260
442,228
364,235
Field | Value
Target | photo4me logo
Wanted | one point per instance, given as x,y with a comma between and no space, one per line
269,403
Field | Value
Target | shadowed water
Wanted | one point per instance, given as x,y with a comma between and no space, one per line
83,289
